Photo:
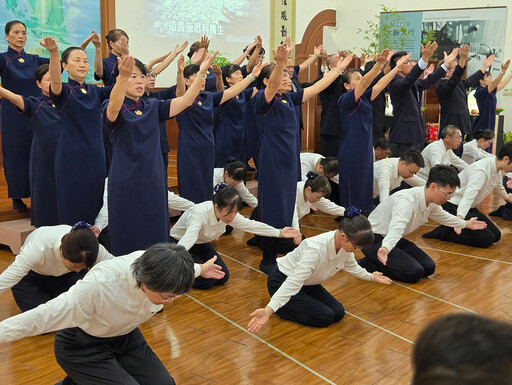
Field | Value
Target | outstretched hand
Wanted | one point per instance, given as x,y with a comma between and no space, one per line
382,254
198,56
428,50
210,270
280,54
475,224
381,278
488,61
504,66
125,66
207,62
259,318
464,52
344,62
179,48
290,232
50,44
181,63
382,57
449,59
95,39
257,69
404,59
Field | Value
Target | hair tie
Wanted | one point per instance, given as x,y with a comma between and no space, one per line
311,175
81,225
219,187
231,159
352,211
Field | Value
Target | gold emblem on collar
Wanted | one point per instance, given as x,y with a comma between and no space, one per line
200,103
84,91
284,101
237,96
53,105
138,112
21,60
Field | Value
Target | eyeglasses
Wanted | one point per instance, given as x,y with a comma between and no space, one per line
151,75
168,297
354,246
448,195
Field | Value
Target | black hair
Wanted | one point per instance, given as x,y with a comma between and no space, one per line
227,197
65,54
229,70
262,51
330,165
413,156
396,56
463,349
484,134
165,268
265,73
357,229
235,169
448,130
138,64
114,35
506,150
382,143
443,175
318,183
12,23
190,70
41,71
80,246
345,78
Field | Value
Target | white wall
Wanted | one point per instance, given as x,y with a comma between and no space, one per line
306,10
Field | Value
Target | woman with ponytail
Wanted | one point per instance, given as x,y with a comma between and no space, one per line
233,174
207,221
295,283
51,260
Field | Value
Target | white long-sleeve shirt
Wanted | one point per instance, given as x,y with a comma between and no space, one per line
199,225
403,212
472,152
173,201
436,153
247,197
302,206
308,161
476,182
314,261
386,178
105,303
41,254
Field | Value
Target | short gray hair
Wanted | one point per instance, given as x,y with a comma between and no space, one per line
165,268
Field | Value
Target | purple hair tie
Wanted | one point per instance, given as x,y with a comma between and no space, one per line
219,187
352,211
81,225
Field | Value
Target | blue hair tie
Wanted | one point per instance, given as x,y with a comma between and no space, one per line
311,175
219,187
352,211
81,225
231,159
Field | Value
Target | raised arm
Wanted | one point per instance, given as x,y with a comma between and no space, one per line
275,80
180,103
239,60
316,52
496,82
98,61
180,80
505,81
234,90
327,79
367,79
168,60
219,84
118,92
254,58
55,66
15,99
384,81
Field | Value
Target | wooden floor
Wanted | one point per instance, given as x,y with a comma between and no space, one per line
202,337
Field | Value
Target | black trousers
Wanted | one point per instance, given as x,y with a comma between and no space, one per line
201,253
476,238
329,145
123,360
35,289
406,262
400,149
313,305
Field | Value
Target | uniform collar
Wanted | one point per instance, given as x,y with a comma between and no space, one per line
74,83
211,214
422,199
331,247
12,51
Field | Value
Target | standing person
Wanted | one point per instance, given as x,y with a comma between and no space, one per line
274,106
137,183
230,136
441,151
476,182
52,259
295,283
476,149
196,146
207,221
44,119
406,89
80,158
17,70
355,151
452,93
98,339
118,46
402,213
485,96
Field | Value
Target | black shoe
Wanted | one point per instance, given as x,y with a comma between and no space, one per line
507,212
229,229
498,212
267,269
434,234
18,204
254,241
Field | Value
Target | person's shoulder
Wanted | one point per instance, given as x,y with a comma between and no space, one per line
116,268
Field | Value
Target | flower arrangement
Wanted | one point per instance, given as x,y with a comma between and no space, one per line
498,110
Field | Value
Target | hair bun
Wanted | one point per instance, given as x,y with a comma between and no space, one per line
311,175
81,225
352,211
231,159
219,187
